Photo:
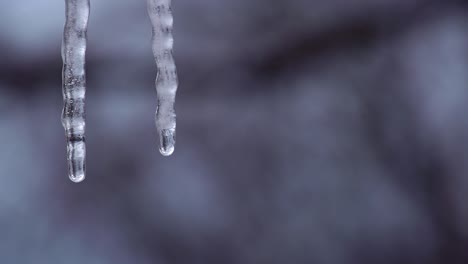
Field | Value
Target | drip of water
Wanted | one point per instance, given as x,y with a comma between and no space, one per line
74,85
160,14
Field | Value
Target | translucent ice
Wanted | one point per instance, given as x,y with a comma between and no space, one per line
160,14
74,85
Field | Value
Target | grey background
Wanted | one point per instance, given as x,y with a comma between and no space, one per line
309,131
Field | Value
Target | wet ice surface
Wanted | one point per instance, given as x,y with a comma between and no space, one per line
160,14
356,153
74,86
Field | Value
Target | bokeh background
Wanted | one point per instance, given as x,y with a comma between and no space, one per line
315,132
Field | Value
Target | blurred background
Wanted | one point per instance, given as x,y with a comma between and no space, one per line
309,131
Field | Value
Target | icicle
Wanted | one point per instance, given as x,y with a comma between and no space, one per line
160,14
74,85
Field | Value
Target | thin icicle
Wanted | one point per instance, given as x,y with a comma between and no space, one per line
74,85
160,14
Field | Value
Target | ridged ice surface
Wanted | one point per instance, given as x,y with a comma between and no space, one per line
74,86
160,14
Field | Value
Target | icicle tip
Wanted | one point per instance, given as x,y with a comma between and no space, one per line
167,142
77,178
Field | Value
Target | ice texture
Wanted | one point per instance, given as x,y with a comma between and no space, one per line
74,85
160,14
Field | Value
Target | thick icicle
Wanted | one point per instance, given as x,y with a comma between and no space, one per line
160,14
74,85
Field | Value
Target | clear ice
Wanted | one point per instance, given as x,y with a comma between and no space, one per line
74,85
161,17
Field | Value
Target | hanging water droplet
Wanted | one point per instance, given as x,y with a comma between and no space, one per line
74,85
161,17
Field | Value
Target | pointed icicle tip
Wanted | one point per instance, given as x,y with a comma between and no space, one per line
77,178
167,142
